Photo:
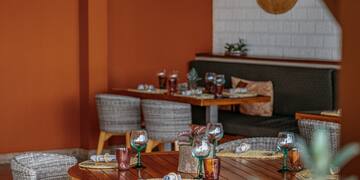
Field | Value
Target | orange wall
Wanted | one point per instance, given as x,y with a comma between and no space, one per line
348,14
147,36
39,75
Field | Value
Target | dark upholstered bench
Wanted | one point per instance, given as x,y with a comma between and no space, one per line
295,89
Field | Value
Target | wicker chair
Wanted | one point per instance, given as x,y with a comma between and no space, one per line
307,127
118,115
256,143
163,120
34,166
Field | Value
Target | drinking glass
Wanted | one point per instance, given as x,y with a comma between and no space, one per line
138,140
215,132
219,85
210,82
162,79
123,158
285,144
173,78
200,150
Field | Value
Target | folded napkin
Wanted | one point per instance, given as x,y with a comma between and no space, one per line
103,158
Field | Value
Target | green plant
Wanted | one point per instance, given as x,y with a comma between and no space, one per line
238,47
318,158
193,78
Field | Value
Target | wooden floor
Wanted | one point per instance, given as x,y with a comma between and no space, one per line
5,172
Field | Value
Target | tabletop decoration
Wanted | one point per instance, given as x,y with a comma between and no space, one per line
146,87
188,163
193,78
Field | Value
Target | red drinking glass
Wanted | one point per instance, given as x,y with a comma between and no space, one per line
123,158
173,83
162,79
212,168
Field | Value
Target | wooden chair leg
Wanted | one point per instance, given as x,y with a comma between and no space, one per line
127,137
101,142
151,145
161,147
176,145
104,136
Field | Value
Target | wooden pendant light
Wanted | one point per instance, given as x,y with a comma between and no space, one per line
276,6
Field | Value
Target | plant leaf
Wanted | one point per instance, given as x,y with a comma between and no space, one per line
345,155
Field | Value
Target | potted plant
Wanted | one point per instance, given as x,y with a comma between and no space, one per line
319,160
193,78
236,49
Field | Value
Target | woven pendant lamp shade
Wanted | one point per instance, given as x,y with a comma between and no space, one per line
276,6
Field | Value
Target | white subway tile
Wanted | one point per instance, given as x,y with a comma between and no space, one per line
290,27
283,40
275,51
307,27
315,14
298,41
331,41
315,41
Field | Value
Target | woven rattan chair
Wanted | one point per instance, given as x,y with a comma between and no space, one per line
256,143
118,115
34,166
163,120
308,126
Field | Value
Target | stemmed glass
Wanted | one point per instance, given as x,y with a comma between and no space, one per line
286,143
210,82
200,150
219,85
138,139
215,132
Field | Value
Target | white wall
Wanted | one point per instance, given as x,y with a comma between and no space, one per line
306,31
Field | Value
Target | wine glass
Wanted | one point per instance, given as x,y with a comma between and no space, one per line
138,140
200,150
286,143
215,132
210,82
219,85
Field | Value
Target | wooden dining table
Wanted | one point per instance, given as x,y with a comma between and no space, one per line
159,164
211,104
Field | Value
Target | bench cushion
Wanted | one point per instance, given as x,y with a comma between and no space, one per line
256,126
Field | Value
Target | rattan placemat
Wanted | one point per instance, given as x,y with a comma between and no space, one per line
202,96
253,154
306,174
157,91
103,165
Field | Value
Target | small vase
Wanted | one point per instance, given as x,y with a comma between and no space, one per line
187,163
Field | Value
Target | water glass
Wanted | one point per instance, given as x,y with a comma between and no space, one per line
138,141
215,132
200,150
210,82
123,158
173,83
162,79
212,168
219,85
285,145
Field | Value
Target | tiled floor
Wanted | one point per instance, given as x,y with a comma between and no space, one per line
5,173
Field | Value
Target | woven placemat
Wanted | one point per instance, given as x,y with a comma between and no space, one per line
202,96
157,91
253,154
103,165
240,95
306,174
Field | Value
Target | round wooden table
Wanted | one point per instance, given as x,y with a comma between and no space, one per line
158,165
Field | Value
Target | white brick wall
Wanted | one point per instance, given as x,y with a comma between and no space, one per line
307,31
